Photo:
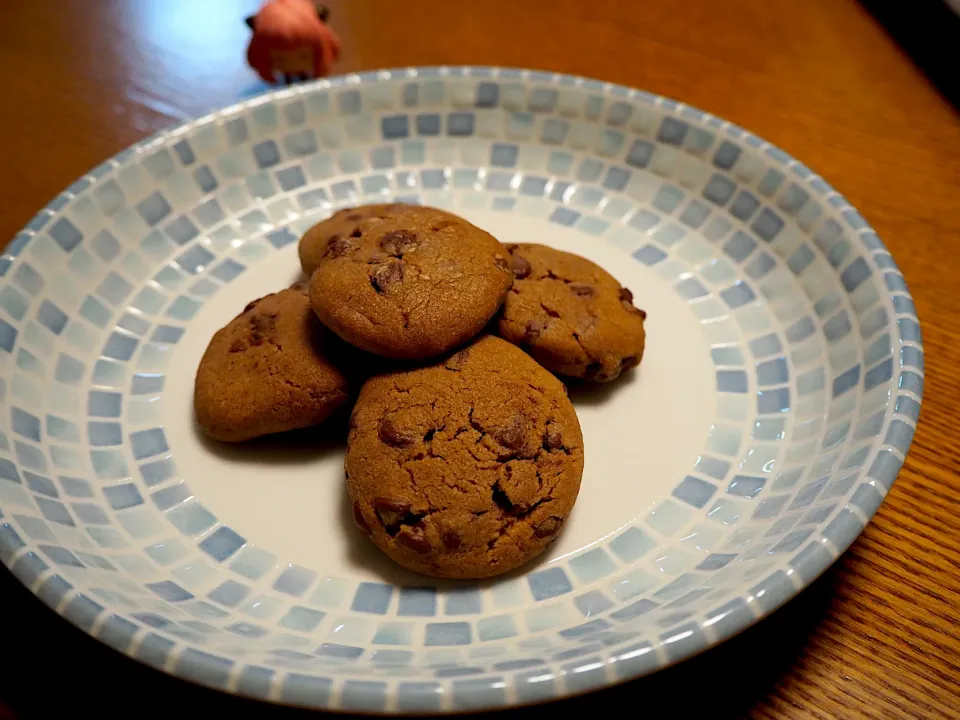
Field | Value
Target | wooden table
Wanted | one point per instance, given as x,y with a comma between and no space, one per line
878,635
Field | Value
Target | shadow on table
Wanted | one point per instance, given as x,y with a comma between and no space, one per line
929,32
725,682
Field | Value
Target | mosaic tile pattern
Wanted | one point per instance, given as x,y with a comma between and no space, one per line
816,343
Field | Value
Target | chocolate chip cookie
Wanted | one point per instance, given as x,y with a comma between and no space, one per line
269,370
411,285
571,315
467,468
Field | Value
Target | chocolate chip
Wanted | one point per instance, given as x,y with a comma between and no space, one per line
442,225
416,541
451,540
625,295
456,362
398,242
592,370
391,511
395,436
250,306
582,289
521,267
548,526
264,323
643,313
357,232
391,505
510,247
629,362
238,346
338,246
552,437
386,275
534,329
511,434
359,519
355,216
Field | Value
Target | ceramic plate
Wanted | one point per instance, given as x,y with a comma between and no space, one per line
771,414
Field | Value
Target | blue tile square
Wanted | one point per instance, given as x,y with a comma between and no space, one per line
503,155
640,153
460,124
746,486
800,330
8,335
147,443
417,601
488,94
855,274
295,580
205,179
229,593
773,372
592,565
121,497
291,178
846,381
616,178
25,424
266,153
182,230
694,491
40,484
732,381
195,260
184,152
542,100
222,543
394,127
104,434
373,598
773,401
154,208
719,189
169,591
549,583
649,255
767,224
667,199
429,124
672,131
146,384
739,246
564,216
727,155
738,294
281,238
66,234
462,602
452,633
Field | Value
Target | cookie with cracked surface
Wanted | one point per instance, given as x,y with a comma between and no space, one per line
467,468
571,315
410,286
269,370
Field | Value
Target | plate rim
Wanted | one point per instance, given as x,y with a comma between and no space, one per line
849,214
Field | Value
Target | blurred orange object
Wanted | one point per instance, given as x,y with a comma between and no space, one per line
292,40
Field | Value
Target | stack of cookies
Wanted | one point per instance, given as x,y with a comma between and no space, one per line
464,454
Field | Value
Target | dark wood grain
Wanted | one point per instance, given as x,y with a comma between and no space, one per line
879,636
